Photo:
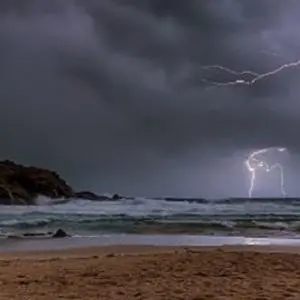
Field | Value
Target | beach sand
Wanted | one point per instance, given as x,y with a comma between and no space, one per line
137,272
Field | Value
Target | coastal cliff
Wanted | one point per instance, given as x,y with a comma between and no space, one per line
21,185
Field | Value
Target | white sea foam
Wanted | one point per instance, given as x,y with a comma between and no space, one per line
140,207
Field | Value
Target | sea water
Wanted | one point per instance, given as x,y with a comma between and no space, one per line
272,217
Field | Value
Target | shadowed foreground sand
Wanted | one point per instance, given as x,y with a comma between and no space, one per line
152,273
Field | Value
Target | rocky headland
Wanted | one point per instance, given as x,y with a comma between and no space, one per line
21,185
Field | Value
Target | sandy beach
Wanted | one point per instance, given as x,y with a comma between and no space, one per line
144,272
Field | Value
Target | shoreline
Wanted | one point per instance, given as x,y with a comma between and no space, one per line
81,242
140,250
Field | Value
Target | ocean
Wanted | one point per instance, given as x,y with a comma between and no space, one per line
265,217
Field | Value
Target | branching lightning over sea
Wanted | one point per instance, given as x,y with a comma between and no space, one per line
256,76
256,162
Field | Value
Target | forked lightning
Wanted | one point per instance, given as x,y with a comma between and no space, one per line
256,76
256,162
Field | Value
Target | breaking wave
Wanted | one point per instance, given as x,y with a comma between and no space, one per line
143,215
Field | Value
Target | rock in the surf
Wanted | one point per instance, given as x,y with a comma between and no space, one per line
59,233
95,197
90,196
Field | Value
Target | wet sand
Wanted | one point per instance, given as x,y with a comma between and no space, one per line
175,240
145,272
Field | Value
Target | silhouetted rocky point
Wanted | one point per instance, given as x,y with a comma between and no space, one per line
94,197
23,184
89,196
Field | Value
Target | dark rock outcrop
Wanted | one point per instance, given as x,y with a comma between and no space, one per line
21,184
90,196
94,197
116,197
60,233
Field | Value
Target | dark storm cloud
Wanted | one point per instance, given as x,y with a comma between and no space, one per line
110,94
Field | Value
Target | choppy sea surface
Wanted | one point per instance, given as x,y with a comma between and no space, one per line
236,216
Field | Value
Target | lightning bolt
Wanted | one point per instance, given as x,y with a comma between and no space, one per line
256,76
254,163
246,72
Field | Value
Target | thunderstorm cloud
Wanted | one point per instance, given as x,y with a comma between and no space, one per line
113,94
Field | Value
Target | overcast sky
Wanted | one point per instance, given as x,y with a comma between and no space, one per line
110,93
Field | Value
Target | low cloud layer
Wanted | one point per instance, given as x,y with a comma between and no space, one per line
112,95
